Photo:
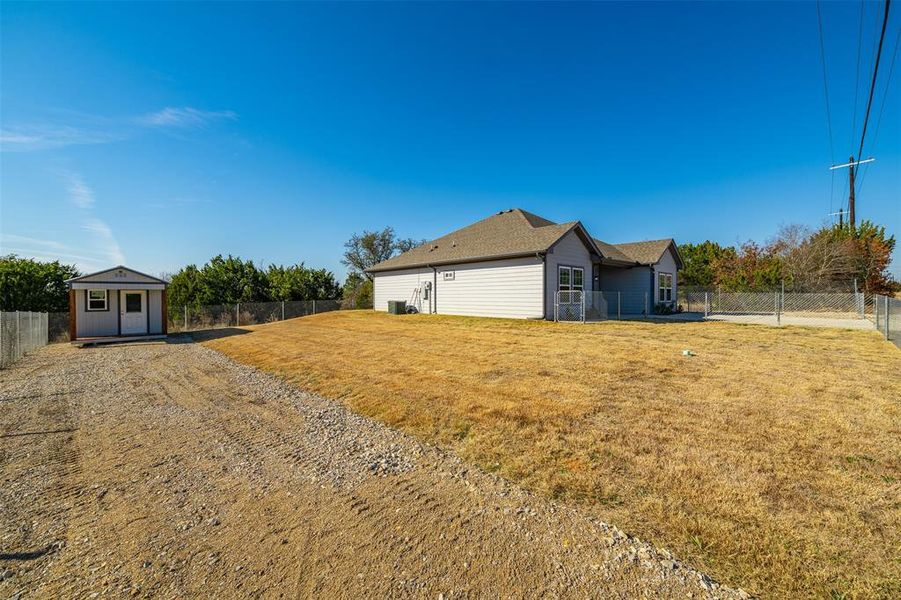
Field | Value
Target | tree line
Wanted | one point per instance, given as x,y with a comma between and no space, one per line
830,258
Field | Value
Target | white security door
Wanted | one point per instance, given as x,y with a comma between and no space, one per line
133,311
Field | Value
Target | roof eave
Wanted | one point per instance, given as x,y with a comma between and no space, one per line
456,261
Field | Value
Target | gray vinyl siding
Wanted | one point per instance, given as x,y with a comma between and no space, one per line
508,288
667,264
570,251
100,322
155,306
633,284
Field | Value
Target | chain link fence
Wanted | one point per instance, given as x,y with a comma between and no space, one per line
212,316
836,309
887,318
21,332
601,306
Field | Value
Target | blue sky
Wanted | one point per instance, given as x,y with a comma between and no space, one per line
162,134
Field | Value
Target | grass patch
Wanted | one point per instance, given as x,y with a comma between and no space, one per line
770,460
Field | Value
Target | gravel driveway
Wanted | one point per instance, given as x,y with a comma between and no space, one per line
166,469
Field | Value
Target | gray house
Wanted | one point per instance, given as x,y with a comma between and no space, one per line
516,264
117,303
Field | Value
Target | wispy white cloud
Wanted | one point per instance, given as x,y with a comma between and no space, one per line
79,193
7,239
185,117
47,135
92,129
50,250
107,241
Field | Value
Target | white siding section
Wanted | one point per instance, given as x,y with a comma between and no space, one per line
96,323
570,251
509,288
666,264
399,285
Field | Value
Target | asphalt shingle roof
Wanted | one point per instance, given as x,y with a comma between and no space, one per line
509,233
513,232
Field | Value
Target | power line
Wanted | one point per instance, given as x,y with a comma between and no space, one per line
825,84
857,73
866,118
888,83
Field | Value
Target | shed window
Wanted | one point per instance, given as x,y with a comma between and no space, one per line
665,287
97,299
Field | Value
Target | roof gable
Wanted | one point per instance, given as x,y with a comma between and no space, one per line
650,252
512,232
117,274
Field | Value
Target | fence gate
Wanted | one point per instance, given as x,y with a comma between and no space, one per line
569,305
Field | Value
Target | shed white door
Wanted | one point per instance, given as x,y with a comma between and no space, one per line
133,311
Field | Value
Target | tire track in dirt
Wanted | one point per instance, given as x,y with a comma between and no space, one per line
190,475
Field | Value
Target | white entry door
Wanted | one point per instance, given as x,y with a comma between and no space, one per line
133,311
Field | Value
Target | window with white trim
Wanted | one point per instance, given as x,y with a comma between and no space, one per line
664,287
564,279
97,300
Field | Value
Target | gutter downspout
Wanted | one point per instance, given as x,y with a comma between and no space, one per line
543,258
434,289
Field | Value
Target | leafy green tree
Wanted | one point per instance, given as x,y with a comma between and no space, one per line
753,267
230,279
27,284
357,292
185,288
367,249
700,262
298,282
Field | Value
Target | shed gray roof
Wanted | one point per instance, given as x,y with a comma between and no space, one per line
515,232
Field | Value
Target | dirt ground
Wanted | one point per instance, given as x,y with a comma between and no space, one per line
169,470
770,458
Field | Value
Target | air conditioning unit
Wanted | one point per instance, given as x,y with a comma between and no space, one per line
397,307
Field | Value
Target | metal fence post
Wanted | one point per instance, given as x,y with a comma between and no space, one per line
237,314
776,307
314,306
706,311
18,336
186,317
283,310
619,313
886,316
647,308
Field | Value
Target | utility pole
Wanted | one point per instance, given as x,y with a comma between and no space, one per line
851,212
851,192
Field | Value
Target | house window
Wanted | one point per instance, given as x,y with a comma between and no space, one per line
578,279
664,287
564,279
97,300
571,279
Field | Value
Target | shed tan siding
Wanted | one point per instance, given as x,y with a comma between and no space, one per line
508,288
569,252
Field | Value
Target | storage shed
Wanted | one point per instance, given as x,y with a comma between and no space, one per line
117,304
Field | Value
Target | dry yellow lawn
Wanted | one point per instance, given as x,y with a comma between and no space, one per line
771,460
